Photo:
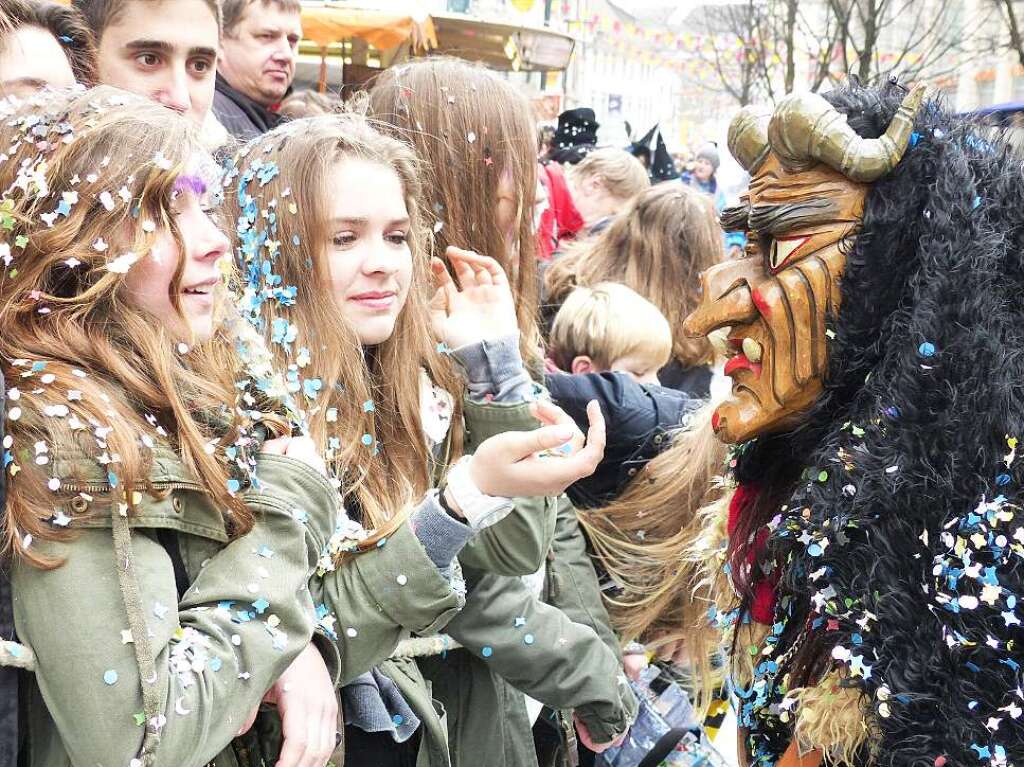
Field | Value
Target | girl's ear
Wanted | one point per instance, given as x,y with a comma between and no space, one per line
582,364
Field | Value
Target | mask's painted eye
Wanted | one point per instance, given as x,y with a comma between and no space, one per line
783,249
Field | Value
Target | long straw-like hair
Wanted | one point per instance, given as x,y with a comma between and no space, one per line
471,129
656,543
362,406
87,181
658,247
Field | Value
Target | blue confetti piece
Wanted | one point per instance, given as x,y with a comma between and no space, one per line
487,652
66,39
381,542
311,386
110,677
261,605
528,639
914,138
295,240
216,664
977,203
1003,480
234,486
112,478
64,208
926,349
368,406
37,366
367,440
398,719
814,550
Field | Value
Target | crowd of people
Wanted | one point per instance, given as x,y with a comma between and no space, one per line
281,376
375,434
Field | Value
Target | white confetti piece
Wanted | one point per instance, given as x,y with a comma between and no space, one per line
122,263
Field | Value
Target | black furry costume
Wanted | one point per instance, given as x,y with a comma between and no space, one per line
914,431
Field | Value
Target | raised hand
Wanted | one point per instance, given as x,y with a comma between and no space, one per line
541,462
479,308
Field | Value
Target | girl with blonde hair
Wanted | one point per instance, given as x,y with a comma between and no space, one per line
145,514
332,243
604,183
658,247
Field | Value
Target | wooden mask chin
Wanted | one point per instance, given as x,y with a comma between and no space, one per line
810,176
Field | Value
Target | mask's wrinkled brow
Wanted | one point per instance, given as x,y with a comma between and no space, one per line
786,217
734,219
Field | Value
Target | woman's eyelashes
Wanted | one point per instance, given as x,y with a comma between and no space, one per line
348,239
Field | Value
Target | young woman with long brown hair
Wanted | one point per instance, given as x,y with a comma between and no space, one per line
475,137
658,247
158,566
333,245
473,132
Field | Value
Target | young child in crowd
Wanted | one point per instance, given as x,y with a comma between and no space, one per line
612,341
142,515
658,247
610,328
474,134
333,245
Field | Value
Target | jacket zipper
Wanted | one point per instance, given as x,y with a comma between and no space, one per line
104,487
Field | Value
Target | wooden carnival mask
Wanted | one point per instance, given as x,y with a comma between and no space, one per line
810,175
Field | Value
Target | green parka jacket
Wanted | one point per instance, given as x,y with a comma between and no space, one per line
470,701
127,671
261,584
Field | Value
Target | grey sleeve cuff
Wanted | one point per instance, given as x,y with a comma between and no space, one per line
441,536
494,370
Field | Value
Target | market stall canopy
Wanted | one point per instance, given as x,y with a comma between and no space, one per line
327,23
503,46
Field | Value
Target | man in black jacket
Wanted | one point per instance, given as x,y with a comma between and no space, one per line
259,49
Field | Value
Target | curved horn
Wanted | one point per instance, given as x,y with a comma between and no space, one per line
806,129
748,137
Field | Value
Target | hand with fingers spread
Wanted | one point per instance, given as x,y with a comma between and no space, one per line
308,705
479,308
541,462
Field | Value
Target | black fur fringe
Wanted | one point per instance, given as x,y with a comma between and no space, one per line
926,385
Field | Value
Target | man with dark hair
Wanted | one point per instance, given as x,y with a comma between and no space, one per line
43,44
257,65
163,49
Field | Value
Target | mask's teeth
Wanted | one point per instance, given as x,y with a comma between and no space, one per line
752,349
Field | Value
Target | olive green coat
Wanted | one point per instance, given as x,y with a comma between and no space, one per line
124,668
515,643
